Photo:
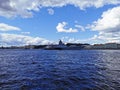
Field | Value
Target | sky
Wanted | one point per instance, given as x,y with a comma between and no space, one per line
39,22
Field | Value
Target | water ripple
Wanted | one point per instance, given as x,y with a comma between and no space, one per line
59,70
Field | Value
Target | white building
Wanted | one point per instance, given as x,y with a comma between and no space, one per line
111,45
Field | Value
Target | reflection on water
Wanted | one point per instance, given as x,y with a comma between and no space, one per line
59,70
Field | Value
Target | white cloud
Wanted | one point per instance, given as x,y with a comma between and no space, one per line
15,39
109,21
93,40
80,27
61,27
50,11
67,39
108,25
24,8
6,27
25,32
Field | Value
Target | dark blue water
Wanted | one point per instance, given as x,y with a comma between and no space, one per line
59,70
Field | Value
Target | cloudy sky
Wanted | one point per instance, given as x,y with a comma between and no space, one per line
24,22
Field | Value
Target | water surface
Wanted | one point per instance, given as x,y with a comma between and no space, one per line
59,70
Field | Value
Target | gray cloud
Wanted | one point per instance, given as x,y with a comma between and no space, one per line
24,8
5,5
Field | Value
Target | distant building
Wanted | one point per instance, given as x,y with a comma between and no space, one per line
98,46
111,46
118,46
61,43
60,46
106,46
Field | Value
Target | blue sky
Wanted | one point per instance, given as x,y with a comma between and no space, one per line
44,22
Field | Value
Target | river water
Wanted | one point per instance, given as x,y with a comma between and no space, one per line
59,70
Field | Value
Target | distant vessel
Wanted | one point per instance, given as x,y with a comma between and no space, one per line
62,46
